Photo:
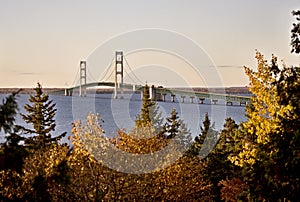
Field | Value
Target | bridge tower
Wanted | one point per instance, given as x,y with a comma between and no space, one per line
118,71
82,89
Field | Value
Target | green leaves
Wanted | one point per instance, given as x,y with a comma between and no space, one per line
267,151
295,37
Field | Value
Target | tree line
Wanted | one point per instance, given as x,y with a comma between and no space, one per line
158,160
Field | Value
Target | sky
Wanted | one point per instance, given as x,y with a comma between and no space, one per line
45,40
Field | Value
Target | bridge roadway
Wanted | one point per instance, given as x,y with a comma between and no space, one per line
159,94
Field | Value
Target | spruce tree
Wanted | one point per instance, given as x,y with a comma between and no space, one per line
8,112
13,152
149,115
173,124
176,129
208,134
217,165
40,114
295,37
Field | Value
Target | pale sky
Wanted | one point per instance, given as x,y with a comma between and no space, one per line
45,40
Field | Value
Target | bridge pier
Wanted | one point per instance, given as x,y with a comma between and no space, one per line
214,101
152,93
172,98
164,97
229,103
201,100
243,103
68,92
192,99
182,98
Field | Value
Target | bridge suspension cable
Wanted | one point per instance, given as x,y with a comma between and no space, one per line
104,77
139,81
76,77
129,76
110,75
90,75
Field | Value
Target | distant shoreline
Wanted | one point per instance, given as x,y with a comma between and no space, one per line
27,90
228,90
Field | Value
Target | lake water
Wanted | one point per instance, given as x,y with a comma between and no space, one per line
121,113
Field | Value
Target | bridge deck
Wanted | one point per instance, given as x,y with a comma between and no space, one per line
176,92
207,95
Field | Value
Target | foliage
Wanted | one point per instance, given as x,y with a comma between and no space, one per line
88,176
149,115
216,165
146,142
39,174
179,180
13,152
42,177
177,130
8,111
231,188
269,152
41,115
295,38
205,141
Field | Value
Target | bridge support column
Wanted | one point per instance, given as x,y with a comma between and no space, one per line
182,98
164,97
201,100
118,71
229,103
173,98
243,103
152,93
68,92
82,89
214,101
192,99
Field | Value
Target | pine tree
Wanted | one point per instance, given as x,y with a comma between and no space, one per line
13,152
176,129
295,38
173,124
8,112
41,114
206,140
149,115
217,165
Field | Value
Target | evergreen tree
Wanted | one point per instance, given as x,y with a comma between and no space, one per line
217,165
173,124
149,115
295,38
13,152
8,112
176,129
41,114
206,140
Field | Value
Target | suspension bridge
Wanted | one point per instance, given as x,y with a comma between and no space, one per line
157,93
